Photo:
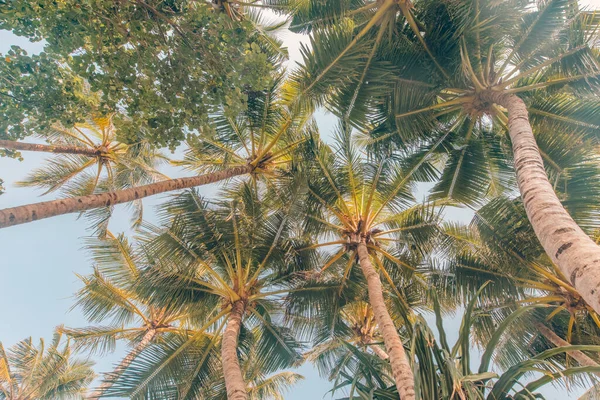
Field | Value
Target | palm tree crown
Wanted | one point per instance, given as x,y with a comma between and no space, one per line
232,260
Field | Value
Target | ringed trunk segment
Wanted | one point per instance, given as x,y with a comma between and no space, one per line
557,341
114,375
45,148
232,373
32,212
569,247
401,369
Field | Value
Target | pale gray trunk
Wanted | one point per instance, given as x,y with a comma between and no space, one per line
46,209
111,378
84,151
577,256
234,380
557,341
403,375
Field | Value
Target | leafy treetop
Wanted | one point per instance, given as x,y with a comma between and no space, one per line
165,65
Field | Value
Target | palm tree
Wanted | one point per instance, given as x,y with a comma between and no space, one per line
357,328
361,319
260,386
487,66
353,24
75,140
339,314
89,159
259,143
445,372
233,259
110,293
44,373
499,250
364,206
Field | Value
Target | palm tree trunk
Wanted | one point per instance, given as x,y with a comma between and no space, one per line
114,375
234,380
379,352
403,376
46,209
557,341
12,145
577,256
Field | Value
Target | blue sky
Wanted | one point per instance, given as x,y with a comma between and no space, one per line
38,261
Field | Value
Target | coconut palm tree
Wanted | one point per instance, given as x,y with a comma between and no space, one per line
43,372
260,386
495,64
339,314
258,143
499,248
445,372
234,257
75,140
89,159
110,294
364,205
362,29
357,328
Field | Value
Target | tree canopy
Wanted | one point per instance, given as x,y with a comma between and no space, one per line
335,248
163,66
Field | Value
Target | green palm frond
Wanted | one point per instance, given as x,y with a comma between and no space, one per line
477,167
267,135
445,373
410,105
274,386
206,257
115,166
60,171
100,339
164,368
308,14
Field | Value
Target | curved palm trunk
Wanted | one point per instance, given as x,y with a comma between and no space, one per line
46,209
234,380
577,256
557,341
403,375
9,144
112,377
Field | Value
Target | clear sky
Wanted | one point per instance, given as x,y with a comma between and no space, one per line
38,261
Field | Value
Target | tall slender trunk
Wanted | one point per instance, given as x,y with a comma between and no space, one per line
577,256
234,380
32,212
403,375
114,375
9,144
557,341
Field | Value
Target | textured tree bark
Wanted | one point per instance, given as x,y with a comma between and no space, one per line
557,341
379,352
9,144
234,380
46,209
403,376
114,375
577,256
